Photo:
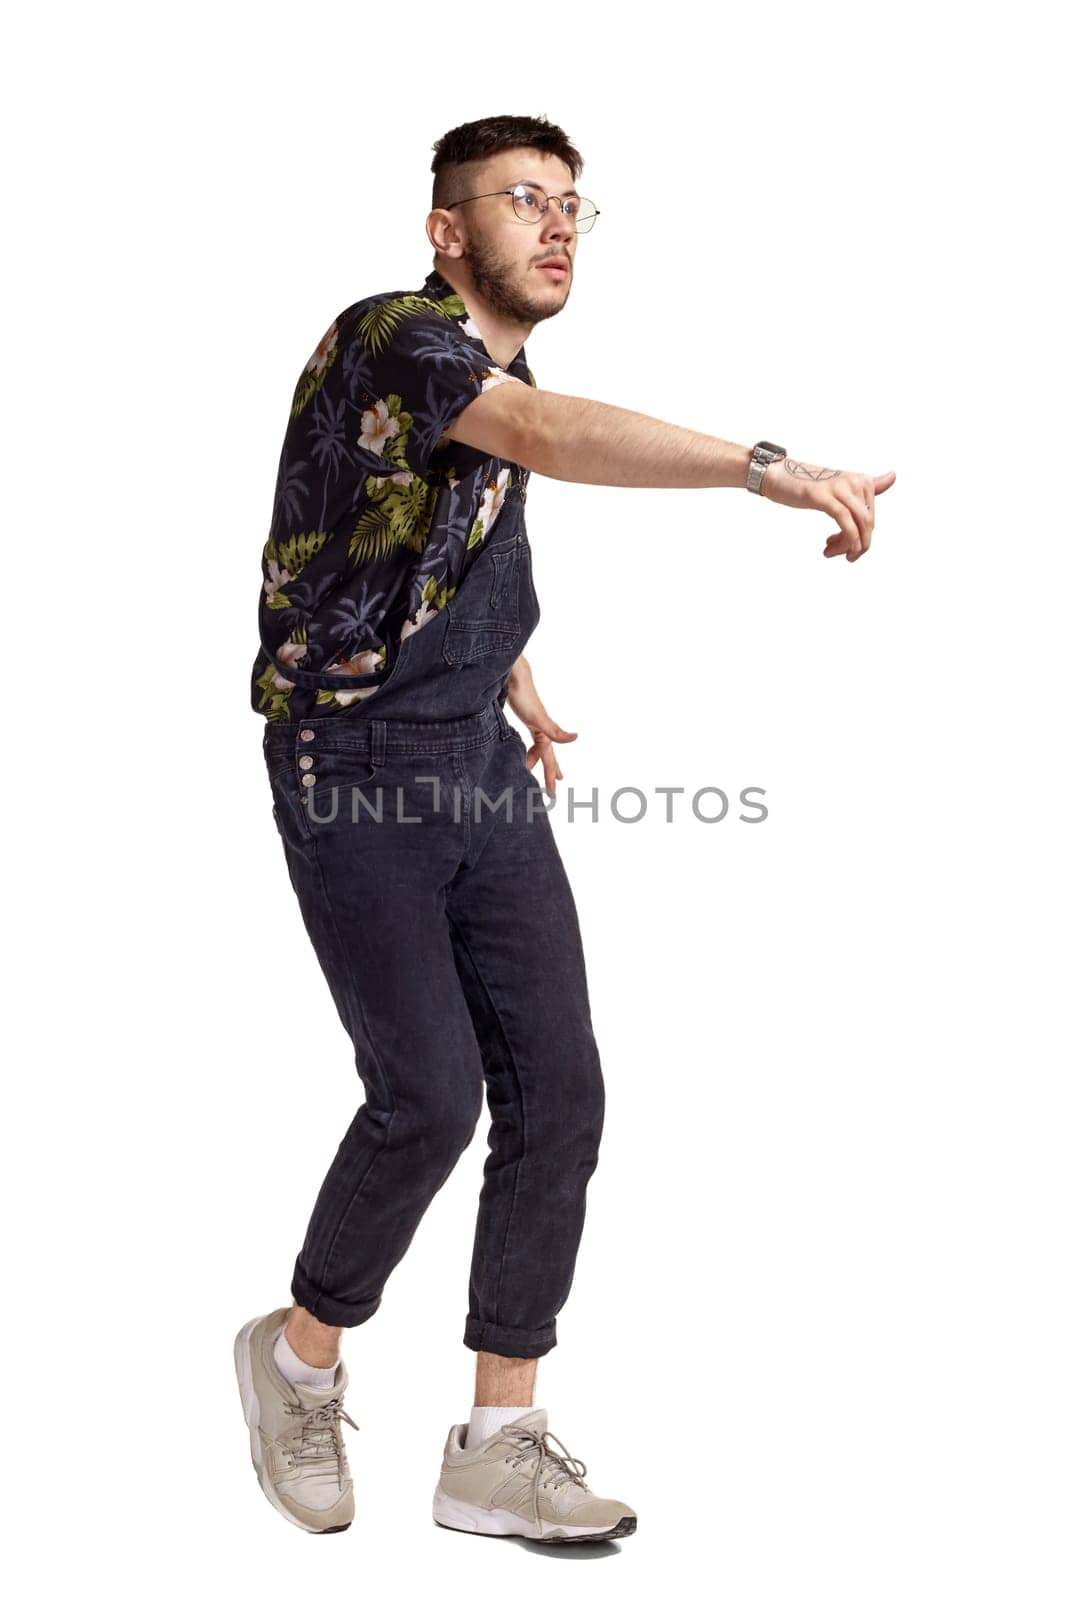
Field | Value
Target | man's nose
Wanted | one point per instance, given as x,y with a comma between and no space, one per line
556,226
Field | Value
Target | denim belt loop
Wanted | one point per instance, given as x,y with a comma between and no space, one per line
378,731
503,725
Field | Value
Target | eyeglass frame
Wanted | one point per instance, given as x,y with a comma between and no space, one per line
543,213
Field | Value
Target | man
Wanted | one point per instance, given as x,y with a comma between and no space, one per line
397,598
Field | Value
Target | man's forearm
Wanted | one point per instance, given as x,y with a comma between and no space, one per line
588,441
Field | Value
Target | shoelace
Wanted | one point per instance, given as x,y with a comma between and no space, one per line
559,1467
320,1436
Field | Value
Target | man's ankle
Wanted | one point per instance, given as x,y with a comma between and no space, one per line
316,1343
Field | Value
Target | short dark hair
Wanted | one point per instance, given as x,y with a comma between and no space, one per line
461,154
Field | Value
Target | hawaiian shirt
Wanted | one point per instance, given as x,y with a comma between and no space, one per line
374,524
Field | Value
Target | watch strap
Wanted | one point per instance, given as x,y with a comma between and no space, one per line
763,453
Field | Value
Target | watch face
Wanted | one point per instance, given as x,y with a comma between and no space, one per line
775,449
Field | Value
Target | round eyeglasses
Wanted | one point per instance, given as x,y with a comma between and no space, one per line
530,202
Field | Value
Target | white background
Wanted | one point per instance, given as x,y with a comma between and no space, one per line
817,1328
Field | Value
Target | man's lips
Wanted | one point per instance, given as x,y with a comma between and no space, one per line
554,267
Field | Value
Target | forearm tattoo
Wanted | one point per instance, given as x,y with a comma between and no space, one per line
804,469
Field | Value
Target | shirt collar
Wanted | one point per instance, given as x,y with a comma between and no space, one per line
439,288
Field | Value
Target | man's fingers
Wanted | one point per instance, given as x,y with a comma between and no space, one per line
541,750
841,512
851,504
552,772
862,515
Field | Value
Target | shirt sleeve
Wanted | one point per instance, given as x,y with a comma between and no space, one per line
412,376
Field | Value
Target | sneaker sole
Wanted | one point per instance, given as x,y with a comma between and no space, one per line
463,1517
242,1357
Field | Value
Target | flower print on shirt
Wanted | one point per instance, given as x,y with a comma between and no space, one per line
495,375
489,509
378,426
364,548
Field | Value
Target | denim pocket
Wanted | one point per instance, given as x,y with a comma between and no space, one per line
504,594
499,629
336,766
311,772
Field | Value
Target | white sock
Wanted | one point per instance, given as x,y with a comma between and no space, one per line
487,1420
290,1366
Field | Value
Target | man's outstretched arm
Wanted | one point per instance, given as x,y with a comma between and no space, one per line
588,441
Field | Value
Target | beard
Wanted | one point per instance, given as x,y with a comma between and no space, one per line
495,280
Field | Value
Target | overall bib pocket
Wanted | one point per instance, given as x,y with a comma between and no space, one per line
470,638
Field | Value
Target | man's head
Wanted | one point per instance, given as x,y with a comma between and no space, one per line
482,241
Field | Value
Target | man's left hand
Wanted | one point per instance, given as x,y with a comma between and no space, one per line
529,708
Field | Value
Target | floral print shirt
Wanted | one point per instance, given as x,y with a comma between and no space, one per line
373,526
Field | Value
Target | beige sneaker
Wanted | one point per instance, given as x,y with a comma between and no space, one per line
514,1484
297,1448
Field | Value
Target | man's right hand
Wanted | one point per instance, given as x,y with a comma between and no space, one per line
848,497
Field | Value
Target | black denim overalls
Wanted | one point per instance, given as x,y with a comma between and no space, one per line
448,935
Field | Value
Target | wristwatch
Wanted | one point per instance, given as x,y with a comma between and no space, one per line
762,456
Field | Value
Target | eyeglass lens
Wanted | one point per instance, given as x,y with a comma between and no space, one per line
529,202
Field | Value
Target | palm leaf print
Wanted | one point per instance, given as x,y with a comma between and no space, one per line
373,537
296,552
406,501
395,449
292,557
435,595
272,700
399,514
398,518
292,492
377,326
